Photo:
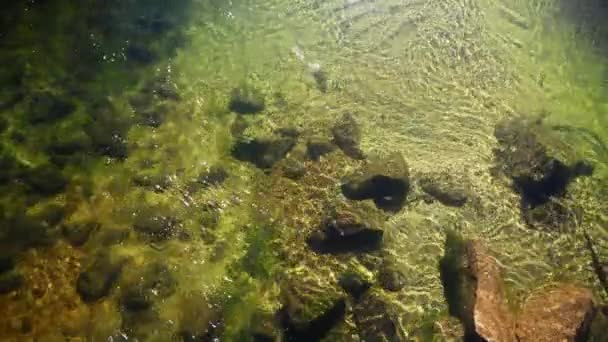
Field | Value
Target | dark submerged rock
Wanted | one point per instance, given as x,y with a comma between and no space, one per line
156,223
537,176
347,136
47,108
140,54
354,284
7,262
315,329
318,147
293,168
321,79
347,230
78,233
385,181
263,152
155,282
375,319
10,281
442,188
391,279
97,280
246,100
214,176
45,180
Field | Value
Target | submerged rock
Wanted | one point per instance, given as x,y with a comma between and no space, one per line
474,290
140,54
155,282
309,312
348,230
246,99
318,147
442,188
374,318
97,280
347,136
10,281
385,181
537,176
293,168
45,180
78,233
47,108
391,279
563,313
354,284
263,152
107,130
214,176
156,223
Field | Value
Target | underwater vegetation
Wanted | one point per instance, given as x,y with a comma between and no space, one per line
303,170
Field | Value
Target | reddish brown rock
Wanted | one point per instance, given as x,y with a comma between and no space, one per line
491,317
563,313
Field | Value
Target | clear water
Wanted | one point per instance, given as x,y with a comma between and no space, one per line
150,82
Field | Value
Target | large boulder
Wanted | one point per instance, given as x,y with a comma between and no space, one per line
474,290
562,313
386,181
347,136
348,229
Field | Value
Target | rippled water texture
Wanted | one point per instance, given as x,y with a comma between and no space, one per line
196,169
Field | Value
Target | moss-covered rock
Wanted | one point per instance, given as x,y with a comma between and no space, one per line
78,233
263,152
155,282
99,277
309,311
45,107
44,179
212,177
354,284
390,278
386,181
246,99
348,229
317,147
156,223
375,319
444,189
536,175
347,136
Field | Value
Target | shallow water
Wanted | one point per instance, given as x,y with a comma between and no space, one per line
117,116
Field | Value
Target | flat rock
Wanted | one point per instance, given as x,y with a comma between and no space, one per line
444,189
347,136
563,313
386,181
